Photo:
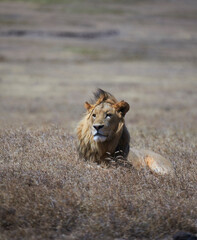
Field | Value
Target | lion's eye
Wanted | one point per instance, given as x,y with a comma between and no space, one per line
93,115
108,115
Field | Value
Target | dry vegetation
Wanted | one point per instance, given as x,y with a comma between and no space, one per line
46,192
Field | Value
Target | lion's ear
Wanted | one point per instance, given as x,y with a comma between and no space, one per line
88,106
122,107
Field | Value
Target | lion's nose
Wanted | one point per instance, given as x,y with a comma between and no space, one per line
98,126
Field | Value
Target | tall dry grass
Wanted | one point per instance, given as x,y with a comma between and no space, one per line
48,193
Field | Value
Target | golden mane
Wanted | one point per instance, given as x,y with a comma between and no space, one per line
118,142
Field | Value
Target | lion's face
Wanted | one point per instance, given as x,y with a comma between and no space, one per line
105,119
104,122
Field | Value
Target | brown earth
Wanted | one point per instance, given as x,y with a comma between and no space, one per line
149,59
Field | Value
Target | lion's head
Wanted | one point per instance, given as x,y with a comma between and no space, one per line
102,131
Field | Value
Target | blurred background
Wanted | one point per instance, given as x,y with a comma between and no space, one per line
54,54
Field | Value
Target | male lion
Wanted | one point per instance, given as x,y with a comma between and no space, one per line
102,132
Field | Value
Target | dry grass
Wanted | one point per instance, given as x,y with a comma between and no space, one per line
48,193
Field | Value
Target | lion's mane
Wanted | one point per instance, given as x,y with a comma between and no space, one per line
98,151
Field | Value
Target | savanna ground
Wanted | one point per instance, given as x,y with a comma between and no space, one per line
149,59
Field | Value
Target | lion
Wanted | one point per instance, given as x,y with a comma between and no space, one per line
102,133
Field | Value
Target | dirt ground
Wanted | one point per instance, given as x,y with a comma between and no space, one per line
54,54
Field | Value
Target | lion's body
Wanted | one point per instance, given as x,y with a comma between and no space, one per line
102,133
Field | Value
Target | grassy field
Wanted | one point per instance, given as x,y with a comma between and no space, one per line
46,191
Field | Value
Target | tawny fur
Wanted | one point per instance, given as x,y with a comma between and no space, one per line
118,137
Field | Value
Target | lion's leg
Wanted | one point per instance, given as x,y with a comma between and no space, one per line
145,158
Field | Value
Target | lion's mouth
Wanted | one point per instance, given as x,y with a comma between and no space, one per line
100,135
